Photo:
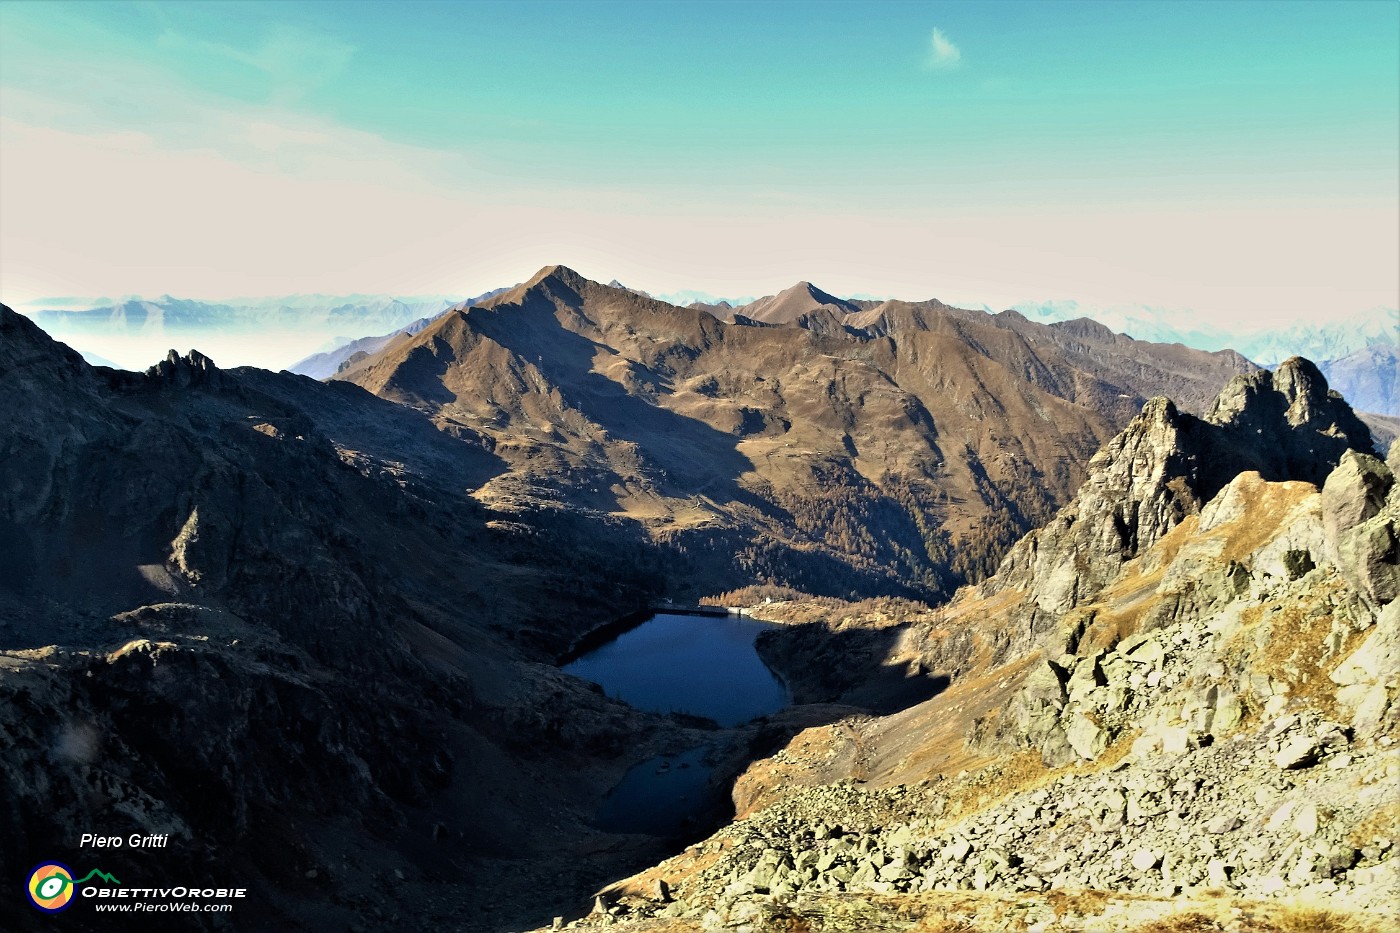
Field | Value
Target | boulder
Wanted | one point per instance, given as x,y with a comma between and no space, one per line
1370,675
1145,860
1085,736
1354,492
1305,819
1218,873
1298,752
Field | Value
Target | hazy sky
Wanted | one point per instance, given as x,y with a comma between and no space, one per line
1235,160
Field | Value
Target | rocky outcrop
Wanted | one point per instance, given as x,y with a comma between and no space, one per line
1284,425
192,369
1141,485
1352,498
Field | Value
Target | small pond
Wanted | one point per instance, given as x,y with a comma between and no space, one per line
663,796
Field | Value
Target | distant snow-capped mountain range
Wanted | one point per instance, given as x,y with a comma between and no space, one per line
1264,345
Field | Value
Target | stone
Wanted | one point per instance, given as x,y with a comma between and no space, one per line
1055,750
1303,870
1354,492
1085,736
1368,555
1046,682
895,871
1218,873
1305,819
1131,642
1175,740
1145,745
1145,860
1281,818
1225,823
1087,677
1149,653
1300,751
1228,713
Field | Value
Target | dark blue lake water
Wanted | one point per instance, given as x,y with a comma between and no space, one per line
702,665
661,796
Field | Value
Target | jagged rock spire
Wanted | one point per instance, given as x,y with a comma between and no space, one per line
1286,425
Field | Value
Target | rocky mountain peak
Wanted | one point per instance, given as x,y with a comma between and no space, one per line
554,283
192,369
1287,423
1297,390
557,273
1284,425
790,304
1079,327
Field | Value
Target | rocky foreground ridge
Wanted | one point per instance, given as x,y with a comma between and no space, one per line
1174,708
232,614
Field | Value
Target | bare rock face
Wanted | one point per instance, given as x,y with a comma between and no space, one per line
1257,410
1355,491
1284,425
1135,493
1367,546
192,369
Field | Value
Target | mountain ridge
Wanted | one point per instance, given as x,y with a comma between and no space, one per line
706,431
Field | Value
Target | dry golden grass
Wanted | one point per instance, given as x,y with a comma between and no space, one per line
1259,918
1187,922
1266,507
1022,771
1292,650
1379,824
1319,920
972,912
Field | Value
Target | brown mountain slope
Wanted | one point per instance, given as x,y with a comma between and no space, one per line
896,448
792,303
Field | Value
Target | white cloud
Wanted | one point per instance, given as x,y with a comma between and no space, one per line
942,53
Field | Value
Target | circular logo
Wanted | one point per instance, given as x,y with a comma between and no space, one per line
51,887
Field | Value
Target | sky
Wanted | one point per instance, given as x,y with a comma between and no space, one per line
1234,161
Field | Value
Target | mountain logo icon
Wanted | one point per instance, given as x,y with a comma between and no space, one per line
51,886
